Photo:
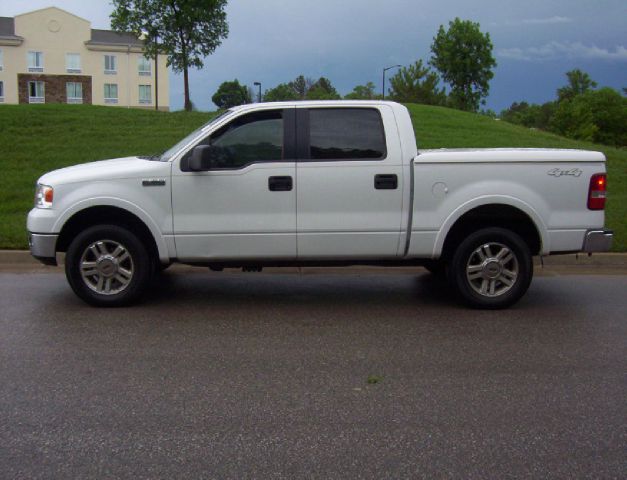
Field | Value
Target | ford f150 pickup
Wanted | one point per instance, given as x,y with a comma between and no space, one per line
319,183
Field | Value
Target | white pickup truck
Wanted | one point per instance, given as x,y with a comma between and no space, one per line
319,183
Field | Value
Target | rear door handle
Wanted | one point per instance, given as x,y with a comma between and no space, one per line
280,184
386,182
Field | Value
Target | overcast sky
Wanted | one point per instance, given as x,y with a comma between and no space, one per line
350,41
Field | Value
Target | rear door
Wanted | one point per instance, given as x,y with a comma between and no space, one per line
349,183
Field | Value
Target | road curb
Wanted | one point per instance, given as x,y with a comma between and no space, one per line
23,257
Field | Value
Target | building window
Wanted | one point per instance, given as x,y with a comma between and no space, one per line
110,64
74,92
73,63
144,67
1,91
35,61
1,61
145,95
36,92
111,93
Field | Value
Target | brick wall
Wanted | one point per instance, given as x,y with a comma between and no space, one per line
55,89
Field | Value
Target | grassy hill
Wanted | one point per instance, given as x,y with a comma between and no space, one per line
37,138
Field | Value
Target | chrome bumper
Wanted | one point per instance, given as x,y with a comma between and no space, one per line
43,247
597,241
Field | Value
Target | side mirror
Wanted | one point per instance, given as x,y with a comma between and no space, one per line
201,159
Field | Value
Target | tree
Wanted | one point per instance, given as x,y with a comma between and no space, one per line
281,93
185,30
231,94
579,82
300,86
417,84
463,56
322,90
363,92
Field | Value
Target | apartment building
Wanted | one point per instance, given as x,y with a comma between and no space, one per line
53,56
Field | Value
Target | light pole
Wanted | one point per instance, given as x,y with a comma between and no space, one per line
258,84
385,70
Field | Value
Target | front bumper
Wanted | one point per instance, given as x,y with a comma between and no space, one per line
597,241
43,247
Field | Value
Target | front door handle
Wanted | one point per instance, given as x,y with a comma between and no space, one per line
386,182
280,184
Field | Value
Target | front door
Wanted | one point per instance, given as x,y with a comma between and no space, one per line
245,207
350,185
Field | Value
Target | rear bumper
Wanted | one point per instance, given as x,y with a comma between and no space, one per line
43,247
597,241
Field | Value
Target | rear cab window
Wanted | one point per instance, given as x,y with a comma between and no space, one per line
346,134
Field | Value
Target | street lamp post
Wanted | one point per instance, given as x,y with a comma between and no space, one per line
385,70
258,84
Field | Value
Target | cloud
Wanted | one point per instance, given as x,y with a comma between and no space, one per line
554,50
546,21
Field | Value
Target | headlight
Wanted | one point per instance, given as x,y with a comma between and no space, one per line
44,196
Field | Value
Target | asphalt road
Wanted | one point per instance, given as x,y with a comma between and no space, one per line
266,376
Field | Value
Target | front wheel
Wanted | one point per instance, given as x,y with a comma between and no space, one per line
107,266
492,268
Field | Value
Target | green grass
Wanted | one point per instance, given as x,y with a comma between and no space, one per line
35,139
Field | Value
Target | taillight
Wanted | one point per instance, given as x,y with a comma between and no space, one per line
597,193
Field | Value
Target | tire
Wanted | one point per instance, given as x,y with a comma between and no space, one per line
491,269
108,266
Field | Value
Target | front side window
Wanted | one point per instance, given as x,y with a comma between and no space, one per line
346,134
36,92
35,61
110,64
251,138
144,66
1,91
145,95
111,93
73,63
74,92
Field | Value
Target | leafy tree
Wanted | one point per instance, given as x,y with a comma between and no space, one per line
579,82
281,93
463,56
302,88
363,92
573,119
301,85
322,90
532,116
185,30
231,94
417,84
609,114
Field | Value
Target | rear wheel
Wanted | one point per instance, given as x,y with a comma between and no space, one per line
107,266
492,268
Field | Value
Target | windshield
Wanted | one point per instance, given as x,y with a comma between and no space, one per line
168,154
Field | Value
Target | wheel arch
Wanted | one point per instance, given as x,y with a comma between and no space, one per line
503,212
78,220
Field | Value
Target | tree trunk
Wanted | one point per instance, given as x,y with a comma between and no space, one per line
188,103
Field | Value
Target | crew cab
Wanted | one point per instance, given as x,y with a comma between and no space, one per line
319,183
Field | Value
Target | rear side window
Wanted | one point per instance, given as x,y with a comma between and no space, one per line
346,134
